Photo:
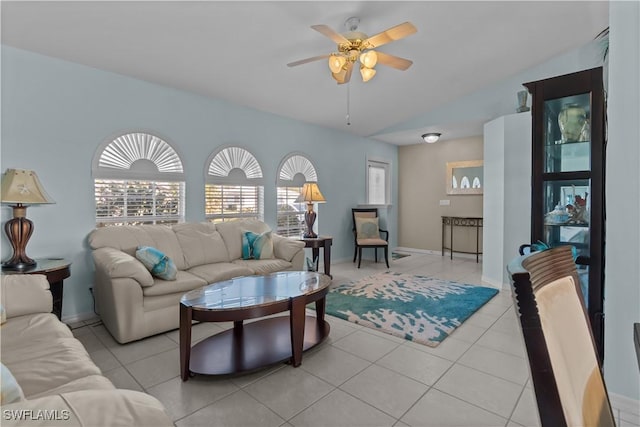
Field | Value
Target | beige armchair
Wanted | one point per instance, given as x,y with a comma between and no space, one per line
367,233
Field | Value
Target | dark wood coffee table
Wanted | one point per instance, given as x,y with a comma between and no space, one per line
252,345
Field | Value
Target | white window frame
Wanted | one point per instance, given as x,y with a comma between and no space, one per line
380,165
234,170
294,170
139,158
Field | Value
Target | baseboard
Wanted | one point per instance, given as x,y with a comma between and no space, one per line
494,283
78,317
626,411
432,252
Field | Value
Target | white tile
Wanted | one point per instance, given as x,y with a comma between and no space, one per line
481,320
130,352
526,412
507,343
468,332
104,360
333,365
121,378
367,346
486,391
288,391
385,389
244,379
237,410
497,363
90,342
157,368
450,349
415,364
442,410
183,398
341,409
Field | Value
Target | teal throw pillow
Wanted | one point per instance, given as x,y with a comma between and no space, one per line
257,246
157,262
367,228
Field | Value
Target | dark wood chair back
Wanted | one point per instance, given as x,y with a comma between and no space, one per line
565,368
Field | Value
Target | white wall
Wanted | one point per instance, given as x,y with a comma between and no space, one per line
55,114
622,268
507,193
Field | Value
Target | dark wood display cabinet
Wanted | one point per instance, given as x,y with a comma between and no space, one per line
568,161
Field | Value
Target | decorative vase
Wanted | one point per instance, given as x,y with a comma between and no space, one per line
572,120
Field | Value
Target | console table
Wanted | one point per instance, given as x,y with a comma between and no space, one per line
56,270
461,221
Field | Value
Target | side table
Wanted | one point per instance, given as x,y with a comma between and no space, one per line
56,270
325,243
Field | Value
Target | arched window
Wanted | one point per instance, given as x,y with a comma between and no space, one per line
138,179
294,171
234,186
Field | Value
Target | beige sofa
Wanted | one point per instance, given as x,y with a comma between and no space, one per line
133,304
60,383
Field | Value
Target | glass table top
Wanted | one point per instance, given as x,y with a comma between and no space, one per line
251,291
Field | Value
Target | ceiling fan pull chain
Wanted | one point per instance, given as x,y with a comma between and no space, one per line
348,116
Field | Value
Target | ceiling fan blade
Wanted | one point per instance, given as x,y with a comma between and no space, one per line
392,34
328,32
393,61
306,60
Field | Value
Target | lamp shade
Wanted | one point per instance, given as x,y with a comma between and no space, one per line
369,59
336,62
310,193
23,186
367,73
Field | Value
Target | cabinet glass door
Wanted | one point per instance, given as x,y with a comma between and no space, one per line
567,134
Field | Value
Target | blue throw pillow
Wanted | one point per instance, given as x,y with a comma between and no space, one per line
257,246
157,262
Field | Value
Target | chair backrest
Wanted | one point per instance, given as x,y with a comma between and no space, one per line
565,369
363,213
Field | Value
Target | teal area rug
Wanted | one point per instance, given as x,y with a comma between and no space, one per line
417,308
398,255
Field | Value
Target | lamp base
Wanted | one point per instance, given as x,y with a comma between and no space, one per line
19,230
19,266
309,219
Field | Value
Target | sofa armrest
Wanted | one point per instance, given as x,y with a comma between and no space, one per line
117,264
285,248
25,294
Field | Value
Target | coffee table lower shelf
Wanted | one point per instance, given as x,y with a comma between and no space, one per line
255,345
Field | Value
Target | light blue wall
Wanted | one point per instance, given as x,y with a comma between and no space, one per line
55,114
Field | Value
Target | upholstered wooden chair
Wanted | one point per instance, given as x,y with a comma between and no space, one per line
367,233
565,369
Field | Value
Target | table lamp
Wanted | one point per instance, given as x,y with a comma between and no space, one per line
311,194
19,188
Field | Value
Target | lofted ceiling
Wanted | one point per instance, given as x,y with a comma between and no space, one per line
238,50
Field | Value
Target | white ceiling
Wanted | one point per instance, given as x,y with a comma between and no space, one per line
238,50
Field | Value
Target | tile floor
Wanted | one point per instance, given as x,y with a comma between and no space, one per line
358,377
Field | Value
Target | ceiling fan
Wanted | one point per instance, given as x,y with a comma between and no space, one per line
355,45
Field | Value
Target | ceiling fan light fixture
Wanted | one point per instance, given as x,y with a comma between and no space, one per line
367,73
339,76
431,137
369,59
336,62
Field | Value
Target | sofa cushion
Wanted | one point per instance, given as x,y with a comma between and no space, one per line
264,266
220,271
47,364
126,238
165,239
34,327
10,390
184,282
286,248
231,232
201,244
257,246
158,264
92,382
